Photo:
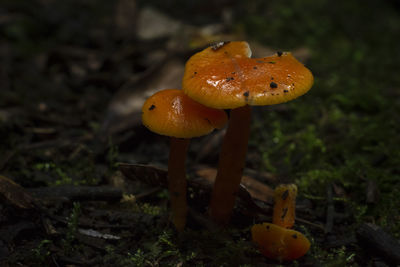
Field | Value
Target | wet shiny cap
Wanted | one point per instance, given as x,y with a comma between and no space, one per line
172,113
278,243
224,76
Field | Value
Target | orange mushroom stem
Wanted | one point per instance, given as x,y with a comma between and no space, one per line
279,243
231,164
284,212
177,181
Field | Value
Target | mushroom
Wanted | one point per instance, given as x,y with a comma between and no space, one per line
170,112
279,243
224,76
284,205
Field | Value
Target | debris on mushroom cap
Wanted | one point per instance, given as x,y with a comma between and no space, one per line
279,243
228,78
170,112
284,205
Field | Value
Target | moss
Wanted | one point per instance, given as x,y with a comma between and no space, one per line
81,172
345,129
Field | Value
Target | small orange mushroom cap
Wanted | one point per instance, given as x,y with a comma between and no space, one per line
172,113
279,243
224,76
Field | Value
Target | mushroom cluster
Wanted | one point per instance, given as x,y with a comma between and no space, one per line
222,76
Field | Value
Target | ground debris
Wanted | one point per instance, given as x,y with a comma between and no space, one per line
15,194
379,243
201,185
79,192
97,234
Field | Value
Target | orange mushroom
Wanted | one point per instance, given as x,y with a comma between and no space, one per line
284,212
224,76
279,243
170,112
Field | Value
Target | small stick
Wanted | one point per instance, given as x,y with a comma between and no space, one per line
76,193
330,210
379,242
304,221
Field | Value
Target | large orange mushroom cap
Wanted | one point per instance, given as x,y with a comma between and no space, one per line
172,113
224,76
278,243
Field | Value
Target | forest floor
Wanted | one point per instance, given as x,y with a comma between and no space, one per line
82,182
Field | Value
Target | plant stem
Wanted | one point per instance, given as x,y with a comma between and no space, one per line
177,181
231,164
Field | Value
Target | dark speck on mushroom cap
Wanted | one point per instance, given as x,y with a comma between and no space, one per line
285,194
284,213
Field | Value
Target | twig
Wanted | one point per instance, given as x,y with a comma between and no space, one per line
330,210
319,226
79,193
379,242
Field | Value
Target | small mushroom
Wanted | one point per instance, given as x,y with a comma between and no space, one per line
279,243
227,78
170,112
284,205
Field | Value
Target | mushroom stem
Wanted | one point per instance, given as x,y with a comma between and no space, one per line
231,164
284,205
177,181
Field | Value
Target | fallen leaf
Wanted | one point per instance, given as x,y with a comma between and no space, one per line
256,189
146,174
15,194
